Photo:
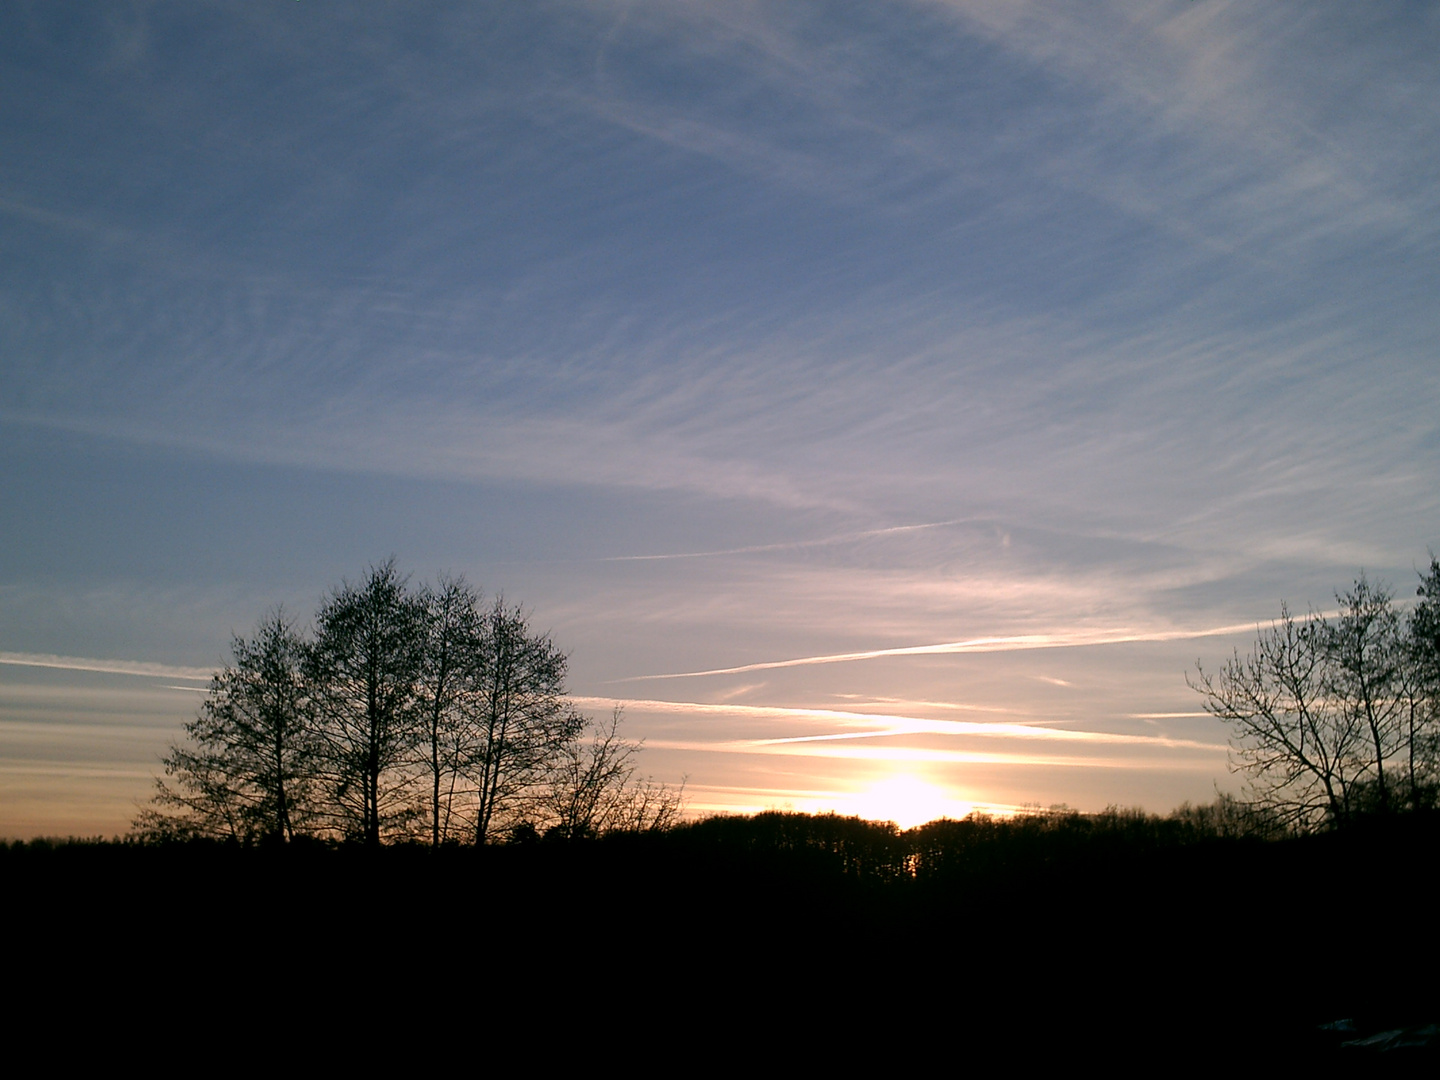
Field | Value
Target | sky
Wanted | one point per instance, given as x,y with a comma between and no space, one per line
888,402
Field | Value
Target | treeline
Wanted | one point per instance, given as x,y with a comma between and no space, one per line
977,846
1337,719
836,847
407,714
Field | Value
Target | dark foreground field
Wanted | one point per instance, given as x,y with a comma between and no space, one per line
820,933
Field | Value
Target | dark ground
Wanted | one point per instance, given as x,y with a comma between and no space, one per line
1229,950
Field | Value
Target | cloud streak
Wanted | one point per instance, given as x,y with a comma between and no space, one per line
1017,643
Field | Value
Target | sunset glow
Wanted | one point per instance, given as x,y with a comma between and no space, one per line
885,404
907,800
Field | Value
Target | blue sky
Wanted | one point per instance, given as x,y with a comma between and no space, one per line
719,334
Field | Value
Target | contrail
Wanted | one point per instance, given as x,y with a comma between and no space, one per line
970,645
789,544
113,667
875,725
914,754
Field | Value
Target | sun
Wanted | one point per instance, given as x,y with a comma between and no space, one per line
907,800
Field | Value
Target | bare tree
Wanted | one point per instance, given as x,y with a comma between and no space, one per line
364,669
591,788
246,771
1424,629
1321,711
518,716
453,651
1364,676
1296,748
1422,691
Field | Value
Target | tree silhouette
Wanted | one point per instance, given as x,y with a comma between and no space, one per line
1422,691
1319,709
591,788
1365,657
453,649
1285,735
407,710
364,669
247,772
518,717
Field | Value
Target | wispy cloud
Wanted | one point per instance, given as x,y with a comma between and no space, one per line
1221,73
791,545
